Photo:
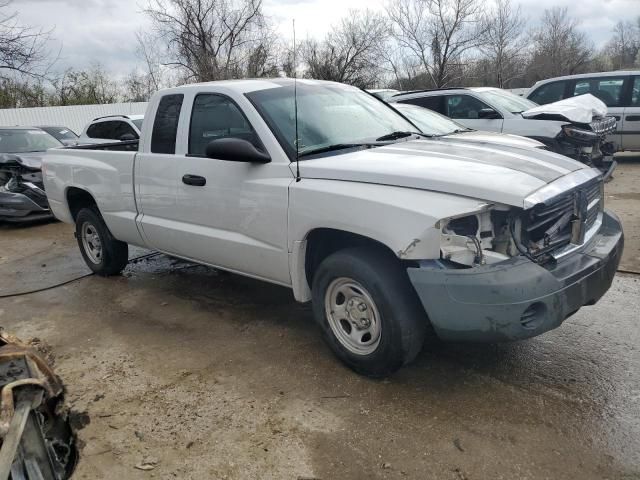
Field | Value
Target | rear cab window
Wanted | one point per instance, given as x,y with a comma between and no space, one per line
165,125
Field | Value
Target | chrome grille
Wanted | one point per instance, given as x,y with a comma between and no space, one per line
604,126
562,220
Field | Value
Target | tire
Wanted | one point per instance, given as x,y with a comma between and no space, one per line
389,330
102,253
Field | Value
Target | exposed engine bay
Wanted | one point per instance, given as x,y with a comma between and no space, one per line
22,195
542,233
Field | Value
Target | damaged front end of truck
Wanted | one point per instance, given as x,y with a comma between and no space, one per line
22,195
508,273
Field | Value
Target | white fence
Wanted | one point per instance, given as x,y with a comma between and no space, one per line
74,117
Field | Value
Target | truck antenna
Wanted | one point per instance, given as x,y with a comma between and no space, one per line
295,101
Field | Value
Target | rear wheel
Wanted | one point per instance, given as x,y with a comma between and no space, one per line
102,253
368,311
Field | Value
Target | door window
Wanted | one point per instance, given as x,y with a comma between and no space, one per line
548,93
607,89
215,117
464,107
432,103
165,125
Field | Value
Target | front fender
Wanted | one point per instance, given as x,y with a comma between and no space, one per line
403,219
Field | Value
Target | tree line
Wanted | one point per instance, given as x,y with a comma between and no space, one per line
412,44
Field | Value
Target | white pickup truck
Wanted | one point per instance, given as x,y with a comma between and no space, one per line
392,234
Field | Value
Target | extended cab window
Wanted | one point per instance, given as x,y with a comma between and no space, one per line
165,125
214,117
548,93
464,106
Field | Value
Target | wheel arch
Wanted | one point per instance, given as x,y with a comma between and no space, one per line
77,199
317,245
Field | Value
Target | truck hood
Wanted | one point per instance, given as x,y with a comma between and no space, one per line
580,109
477,136
498,174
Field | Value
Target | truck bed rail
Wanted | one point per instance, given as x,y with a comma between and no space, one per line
125,145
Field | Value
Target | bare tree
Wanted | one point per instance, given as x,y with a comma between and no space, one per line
212,39
437,34
86,87
505,42
624,46
559,48
22,48
349,52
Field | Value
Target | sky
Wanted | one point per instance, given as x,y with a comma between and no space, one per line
90,31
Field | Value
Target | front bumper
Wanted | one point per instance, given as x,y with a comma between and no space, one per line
18,208
518,298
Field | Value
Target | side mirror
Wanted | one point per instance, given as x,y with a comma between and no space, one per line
127,136
488,113
236,150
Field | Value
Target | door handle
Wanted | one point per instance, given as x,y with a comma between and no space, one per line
195,180
632,118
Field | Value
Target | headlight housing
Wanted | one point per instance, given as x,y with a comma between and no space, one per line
478,238
580,135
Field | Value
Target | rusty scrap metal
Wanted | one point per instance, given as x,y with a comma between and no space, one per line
37,443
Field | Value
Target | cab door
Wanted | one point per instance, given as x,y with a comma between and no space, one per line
227,214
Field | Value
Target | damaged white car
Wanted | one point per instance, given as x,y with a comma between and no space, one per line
575,127
391,234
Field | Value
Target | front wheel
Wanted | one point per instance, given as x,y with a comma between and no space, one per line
368,311
102,253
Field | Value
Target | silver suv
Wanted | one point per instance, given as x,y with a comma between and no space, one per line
619,90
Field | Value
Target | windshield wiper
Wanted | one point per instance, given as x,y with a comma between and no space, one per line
400,134
335,146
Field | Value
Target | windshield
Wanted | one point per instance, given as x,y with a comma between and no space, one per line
507,101
428,121
327,115
138,123
23,141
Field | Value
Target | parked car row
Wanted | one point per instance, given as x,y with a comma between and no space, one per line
577,129
394,232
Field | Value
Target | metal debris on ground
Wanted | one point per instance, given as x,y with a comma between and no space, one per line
37,440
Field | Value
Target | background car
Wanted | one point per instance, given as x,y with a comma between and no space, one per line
433,123
63,134
383,93
570,130
620,91
22,195
112,128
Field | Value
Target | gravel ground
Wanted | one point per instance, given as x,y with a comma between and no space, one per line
179,371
